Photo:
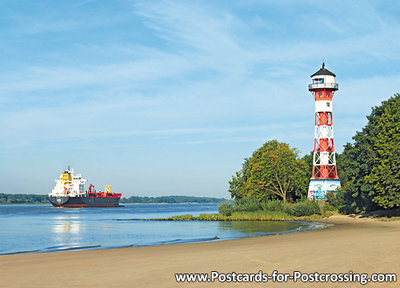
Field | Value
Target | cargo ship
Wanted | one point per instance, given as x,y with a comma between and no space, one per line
70,192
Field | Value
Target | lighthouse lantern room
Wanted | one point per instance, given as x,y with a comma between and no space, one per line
324,176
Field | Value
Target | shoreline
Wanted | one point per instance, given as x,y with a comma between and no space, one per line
360,245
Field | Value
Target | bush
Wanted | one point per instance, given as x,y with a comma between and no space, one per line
226,208
332,201
186,217
305,208
247,204
276,205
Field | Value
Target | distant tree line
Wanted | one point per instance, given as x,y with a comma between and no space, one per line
23,199
43,199
171,199
369,168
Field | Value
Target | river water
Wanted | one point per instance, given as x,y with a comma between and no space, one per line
43,228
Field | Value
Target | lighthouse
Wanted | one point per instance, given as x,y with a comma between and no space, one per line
324,176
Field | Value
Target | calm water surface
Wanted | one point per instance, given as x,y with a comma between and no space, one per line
43,228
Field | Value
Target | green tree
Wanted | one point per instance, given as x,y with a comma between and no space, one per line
354,164
237,183
385,175
308,159
370,167
274,171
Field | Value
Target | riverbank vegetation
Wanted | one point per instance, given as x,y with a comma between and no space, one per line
274,171
369,168
243,216
276,179
253,210
273,181
300,208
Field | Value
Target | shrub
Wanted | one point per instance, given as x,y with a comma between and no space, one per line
247,204
186,217
305,208
226,208
332,201
276,205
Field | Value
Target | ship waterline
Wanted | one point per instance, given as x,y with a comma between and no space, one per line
82,202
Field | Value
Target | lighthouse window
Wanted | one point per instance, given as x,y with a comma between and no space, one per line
328,104
318,81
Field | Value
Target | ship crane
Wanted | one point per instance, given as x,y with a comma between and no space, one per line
91,188
107,189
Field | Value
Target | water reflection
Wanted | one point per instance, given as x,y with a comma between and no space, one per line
66,224
66,230
107,227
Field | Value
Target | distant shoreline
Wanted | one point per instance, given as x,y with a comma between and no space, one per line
121,204
10,198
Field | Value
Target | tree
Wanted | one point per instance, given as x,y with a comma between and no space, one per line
274,171
308,159
385,175
370,168
237,184
354,164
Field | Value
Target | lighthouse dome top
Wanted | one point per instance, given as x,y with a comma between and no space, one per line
323,71
323,79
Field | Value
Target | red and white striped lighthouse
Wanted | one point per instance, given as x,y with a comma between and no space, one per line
324,172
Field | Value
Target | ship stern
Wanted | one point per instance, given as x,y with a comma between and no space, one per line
58,201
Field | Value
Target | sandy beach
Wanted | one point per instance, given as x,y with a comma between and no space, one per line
350,244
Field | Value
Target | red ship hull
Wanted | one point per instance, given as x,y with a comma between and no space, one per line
86,201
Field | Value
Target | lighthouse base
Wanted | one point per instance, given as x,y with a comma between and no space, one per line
319,187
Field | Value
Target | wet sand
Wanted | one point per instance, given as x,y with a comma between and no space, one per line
357,245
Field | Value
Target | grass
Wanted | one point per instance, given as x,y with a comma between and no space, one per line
259,215
252,210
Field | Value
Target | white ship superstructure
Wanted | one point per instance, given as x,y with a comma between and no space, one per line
69,184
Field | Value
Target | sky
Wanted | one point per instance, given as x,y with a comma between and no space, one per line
168,97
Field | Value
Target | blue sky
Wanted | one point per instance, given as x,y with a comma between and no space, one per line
168,97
